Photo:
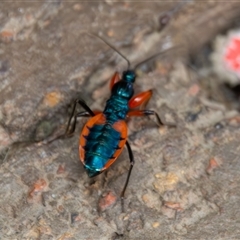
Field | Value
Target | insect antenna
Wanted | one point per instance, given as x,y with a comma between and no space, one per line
112,47
154,56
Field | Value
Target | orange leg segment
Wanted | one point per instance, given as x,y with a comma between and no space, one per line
141,113
140,99
115,78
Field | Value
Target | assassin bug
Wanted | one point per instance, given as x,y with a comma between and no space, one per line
105,134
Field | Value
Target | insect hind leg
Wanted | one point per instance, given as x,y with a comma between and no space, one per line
131,158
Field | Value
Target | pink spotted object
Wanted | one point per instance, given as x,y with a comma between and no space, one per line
232,55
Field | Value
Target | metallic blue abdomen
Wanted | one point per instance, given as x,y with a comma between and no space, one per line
102,142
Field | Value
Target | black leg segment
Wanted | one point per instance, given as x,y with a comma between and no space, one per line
151,112
87,113
131,157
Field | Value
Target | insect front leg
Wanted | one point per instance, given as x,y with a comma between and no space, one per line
115,78
141,100
141,113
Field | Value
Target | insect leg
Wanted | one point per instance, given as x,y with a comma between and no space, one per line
115,79
140,100
70,129
131,157
140,113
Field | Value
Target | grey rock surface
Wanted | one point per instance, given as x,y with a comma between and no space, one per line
185,182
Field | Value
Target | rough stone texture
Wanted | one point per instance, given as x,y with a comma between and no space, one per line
185,181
